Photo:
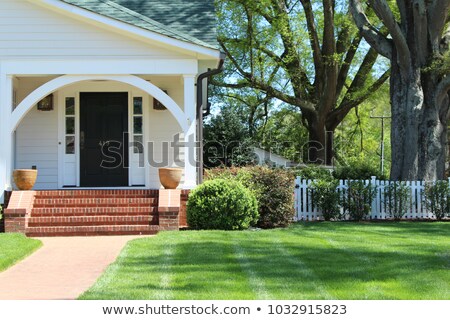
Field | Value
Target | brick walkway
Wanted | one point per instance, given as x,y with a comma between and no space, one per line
62,269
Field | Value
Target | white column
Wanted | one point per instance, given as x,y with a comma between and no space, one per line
190,156
6,155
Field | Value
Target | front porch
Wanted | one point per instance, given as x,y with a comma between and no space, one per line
97,150
95,212
55,140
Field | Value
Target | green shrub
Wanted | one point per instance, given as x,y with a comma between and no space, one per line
326,197
313,172
221,204
438,198
272,187
357,170
357,201
397,196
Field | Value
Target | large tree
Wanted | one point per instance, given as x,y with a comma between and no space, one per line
417,45
305,53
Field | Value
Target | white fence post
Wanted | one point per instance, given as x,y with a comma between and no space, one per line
297,199
373,183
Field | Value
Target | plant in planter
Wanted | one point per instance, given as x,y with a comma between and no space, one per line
170,177
25,178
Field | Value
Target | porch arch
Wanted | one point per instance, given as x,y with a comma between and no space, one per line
33,98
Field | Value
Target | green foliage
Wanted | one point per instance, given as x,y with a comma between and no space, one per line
397,196
358,137
284,134
278,56
221,204
440,64
356,170
227,142
357,201
273,188
312,172
438,198
326,197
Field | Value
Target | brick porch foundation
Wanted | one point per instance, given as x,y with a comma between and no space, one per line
95,212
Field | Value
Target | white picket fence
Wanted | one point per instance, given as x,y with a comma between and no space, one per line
306,210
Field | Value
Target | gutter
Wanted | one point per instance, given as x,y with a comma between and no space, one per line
200,114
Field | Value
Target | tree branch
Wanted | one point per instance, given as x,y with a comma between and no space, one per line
345,67
250,36
313,36
421,31
361,76
328,41
402,9
330,75
254,83
383,12
343,39
438,16
337,115
372,36
290,55
442,90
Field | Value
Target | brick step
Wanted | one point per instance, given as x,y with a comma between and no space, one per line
97,194
90,231
94,211
91,221
94,202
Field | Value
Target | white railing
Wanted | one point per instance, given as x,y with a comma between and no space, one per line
306,210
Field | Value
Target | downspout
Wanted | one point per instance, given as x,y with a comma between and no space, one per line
200,79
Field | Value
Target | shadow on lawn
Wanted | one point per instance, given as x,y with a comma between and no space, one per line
431,228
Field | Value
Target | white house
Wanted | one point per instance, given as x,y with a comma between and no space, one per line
80,83
264,157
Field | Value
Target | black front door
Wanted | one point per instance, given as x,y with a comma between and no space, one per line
103,139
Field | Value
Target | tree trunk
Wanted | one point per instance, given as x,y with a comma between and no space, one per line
419,127
320,144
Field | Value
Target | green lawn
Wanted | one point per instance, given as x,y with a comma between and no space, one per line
305,261
14,247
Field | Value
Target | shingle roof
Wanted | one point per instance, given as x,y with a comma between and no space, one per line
193,21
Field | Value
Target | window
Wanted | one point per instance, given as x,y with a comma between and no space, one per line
70,125
138,126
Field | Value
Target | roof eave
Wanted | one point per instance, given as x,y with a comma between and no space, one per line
129,29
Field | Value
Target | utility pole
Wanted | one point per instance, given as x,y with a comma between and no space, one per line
382,140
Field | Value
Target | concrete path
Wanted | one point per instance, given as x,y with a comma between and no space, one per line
62,268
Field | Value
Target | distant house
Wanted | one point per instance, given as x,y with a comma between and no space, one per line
96,93
272,159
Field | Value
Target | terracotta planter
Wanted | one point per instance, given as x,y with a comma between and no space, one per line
25,178
170,177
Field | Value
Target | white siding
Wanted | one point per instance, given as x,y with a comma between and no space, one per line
265,157
28,30
163,127
37,137
37,145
